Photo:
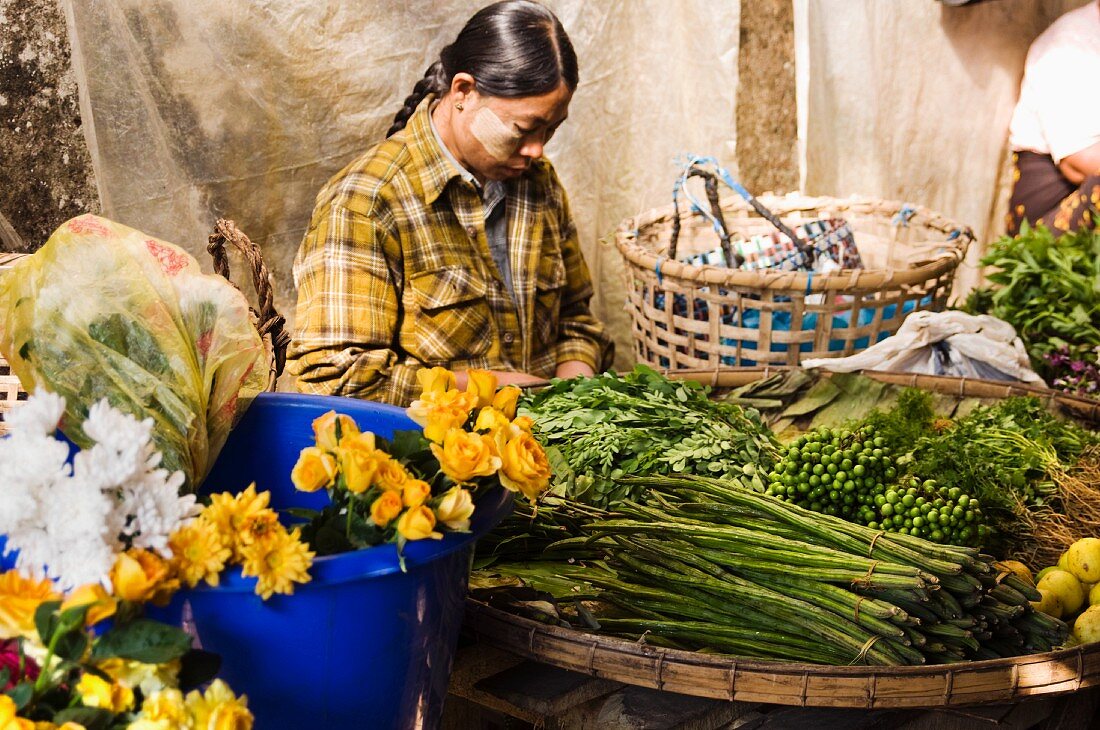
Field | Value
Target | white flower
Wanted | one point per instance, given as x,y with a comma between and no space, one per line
39,414
71,522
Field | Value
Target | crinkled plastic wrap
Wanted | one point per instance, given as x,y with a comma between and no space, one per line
105,311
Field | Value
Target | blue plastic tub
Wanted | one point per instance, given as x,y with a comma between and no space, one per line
362,645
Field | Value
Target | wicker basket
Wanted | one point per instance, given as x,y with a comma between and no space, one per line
686,316
268,321
731,678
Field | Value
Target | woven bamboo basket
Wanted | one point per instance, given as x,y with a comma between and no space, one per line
686,316
268,321
726,677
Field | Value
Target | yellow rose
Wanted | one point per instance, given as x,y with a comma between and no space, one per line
438,413
435,380
483,384
417,524
165,708
359,462
491,420
111,696
138,574
506,399
524,423
324,429
44,725
219,709
455,508
8,720
465,456
104,605
19,598
384,509
316,469
391,475
524,467
415,492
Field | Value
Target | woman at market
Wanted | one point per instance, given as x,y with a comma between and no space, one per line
1055,131
451,243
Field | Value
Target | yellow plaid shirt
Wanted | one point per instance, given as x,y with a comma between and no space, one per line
395,274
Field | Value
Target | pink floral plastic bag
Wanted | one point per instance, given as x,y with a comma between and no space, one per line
104,311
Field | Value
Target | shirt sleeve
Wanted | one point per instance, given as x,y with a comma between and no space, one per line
581,336
348,307
1068,112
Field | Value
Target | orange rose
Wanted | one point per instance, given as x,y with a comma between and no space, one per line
325,427
455,508
316,469
482,384
360,461
465,456
137,575
415,492
384,509
524,466
418,523
103,605
506,399
391,476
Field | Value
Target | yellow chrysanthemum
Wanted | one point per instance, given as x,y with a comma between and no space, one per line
198,553
260,527
278,563
19,598
219,708
8,720
227,512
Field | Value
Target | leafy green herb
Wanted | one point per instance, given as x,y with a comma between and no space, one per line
644,423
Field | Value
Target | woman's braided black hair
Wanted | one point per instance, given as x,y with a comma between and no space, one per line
513,48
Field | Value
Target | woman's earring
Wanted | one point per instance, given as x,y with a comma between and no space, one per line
459,106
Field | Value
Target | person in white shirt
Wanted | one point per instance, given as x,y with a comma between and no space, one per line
1055,130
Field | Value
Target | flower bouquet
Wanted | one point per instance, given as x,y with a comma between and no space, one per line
391,502
92,537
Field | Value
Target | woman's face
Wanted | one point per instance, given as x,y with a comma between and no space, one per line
499,138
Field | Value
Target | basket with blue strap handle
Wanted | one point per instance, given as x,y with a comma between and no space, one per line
813,293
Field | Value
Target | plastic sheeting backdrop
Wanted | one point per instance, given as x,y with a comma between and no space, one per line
911,101
198,109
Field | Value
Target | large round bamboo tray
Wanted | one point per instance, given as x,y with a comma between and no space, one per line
726,677
687,316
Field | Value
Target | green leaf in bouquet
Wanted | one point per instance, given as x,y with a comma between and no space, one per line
91,718
301,513
21,694
46,620
363,533
406,444
5,676
197,667
72,645
326,535
143,640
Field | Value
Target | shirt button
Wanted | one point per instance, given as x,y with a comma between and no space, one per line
509,338
471,230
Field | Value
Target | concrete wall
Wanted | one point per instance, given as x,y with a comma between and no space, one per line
45,171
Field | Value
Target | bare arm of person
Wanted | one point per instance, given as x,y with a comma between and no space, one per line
1079,165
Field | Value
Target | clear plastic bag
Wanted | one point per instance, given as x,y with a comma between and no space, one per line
104,311
952,343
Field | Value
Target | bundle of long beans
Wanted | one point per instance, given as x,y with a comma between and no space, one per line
707,563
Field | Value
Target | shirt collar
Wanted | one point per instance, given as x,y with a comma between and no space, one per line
436,164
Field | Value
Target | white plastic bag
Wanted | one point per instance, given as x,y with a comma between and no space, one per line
949,343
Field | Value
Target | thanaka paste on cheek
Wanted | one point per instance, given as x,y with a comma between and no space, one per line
494,135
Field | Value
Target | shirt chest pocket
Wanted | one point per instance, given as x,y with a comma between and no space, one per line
549,284
452,319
